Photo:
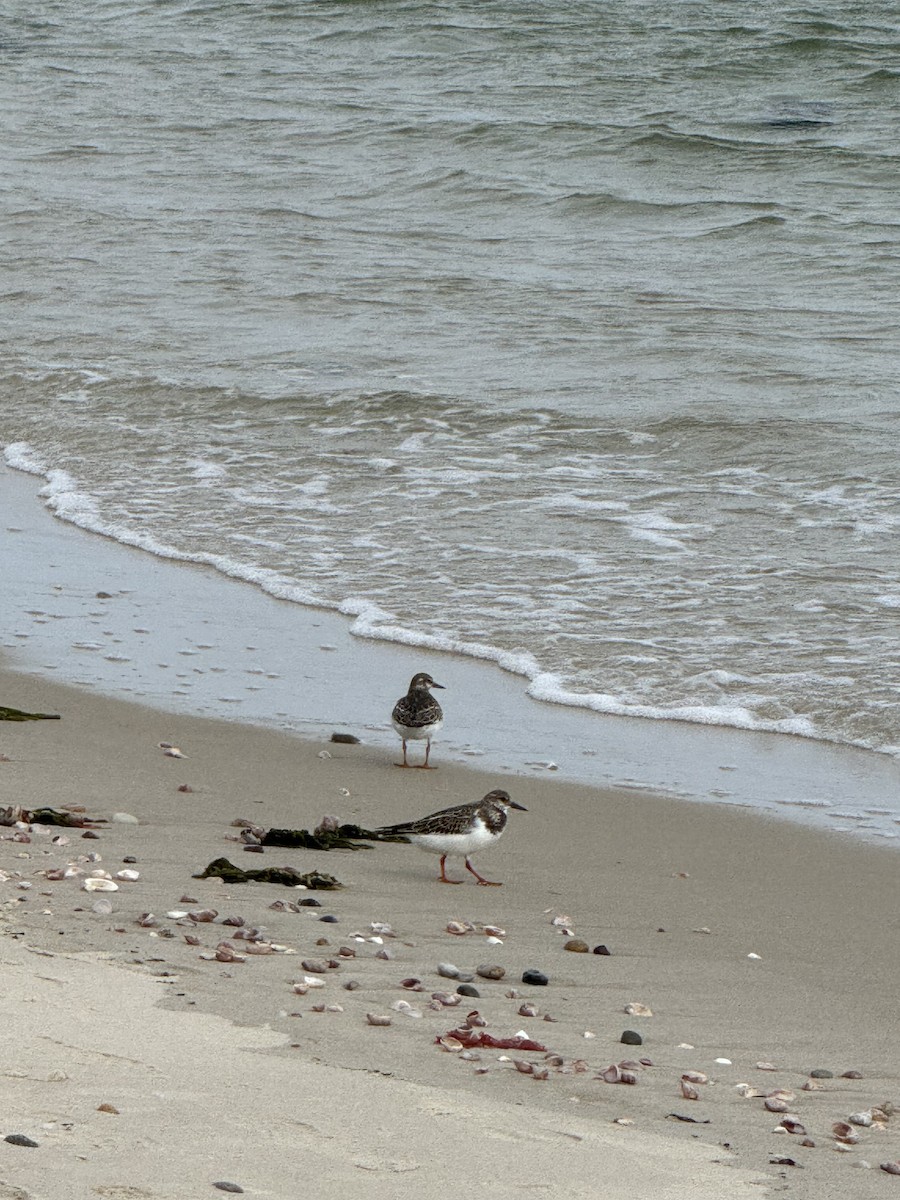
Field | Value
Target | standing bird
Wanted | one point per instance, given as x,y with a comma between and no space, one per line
417,715
460,831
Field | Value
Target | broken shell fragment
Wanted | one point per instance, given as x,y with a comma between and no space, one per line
689,1090
860,1118
528,1010
892,1168
844,1132
776,1104
793,1125
459,927
637,1010
695,1077
99,885
378,1019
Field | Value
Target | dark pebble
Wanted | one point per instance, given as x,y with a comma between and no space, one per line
630,1038
101,596
852,1075
821,1073
19,1139
310,902
466,989
329,918
224,1186
601,949
91,835
129,858
535,978
348,739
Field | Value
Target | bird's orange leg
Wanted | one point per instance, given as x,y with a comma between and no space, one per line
444,878
424,766
481,879
404,763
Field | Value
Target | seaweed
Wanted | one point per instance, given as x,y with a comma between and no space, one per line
16,714
15,814
315,880
340,838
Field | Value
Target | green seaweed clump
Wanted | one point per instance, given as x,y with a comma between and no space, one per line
16,714
315,880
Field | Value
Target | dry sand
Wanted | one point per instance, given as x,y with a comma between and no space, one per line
750,940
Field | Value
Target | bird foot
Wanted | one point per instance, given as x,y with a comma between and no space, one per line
489,883
426,767
441,879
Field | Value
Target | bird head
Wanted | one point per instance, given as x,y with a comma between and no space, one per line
501,799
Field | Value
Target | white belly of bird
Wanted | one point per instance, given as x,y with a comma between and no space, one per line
423,733
461,844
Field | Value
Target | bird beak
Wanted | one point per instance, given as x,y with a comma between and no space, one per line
520,807
437,685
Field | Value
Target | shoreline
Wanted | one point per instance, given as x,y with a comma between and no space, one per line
186,639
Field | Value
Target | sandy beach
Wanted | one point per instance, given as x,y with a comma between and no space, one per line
142,1066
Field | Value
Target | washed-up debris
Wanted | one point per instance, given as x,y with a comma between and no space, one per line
15,814
325,837
478,1039
16,714
690,1120
221,868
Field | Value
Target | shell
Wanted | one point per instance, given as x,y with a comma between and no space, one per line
378,1019
637,1010
459,927
689,1090
892,1168
776,1104
99,885
695,1077
128,876
860,1118
844,1132
766,1066
528,1010
451,1044
404,1007
525,1068
745,1090
793,1125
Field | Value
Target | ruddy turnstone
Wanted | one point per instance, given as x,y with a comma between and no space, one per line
460,831
417,715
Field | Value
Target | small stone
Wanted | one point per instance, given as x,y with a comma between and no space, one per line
331,920
535,978
466,989
224,1186
310,902
108,1108
351,985
346,739
630,1038
20,1139
122,818
601,949
490,971
852,1075
577,946
317,965
821,1073
448,970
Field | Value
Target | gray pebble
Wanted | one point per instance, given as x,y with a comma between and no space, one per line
630,1038
448,970
821,1073
330,919
490,971
224,1186
466,989
20,1139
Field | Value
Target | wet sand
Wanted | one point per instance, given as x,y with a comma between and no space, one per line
749,939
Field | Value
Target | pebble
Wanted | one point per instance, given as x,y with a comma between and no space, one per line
490,971
224,1186
601,949
122,818
310,902
331,920
821,1073
466,989
20,1139
346,739
535,978
448,970
577,946
631,1038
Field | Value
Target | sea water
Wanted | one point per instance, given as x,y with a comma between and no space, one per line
558,335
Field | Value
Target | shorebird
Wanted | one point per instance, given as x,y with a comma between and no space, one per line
460,831
417,715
